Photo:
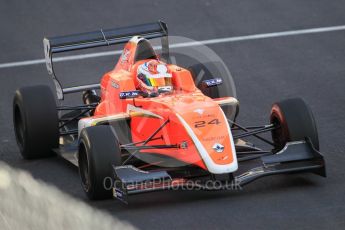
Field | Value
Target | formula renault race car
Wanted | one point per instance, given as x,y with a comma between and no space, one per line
128,138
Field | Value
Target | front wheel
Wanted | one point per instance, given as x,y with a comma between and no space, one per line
99,150
295,122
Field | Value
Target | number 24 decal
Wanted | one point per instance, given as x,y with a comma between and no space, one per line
200,124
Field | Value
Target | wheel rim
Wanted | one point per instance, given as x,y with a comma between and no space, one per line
277,134
280,135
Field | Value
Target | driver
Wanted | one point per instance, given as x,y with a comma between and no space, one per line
154,78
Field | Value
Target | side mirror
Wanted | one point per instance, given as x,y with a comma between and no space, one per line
165,89
212,82
136,93
130,94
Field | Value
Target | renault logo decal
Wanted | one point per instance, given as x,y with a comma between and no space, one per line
218,147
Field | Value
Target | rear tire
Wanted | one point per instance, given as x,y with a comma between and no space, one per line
296,122
35,121
99,149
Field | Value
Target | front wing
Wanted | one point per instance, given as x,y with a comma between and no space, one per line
296,157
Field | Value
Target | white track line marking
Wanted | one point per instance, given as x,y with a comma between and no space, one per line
179,45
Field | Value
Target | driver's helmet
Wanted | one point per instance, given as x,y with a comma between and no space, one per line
153,77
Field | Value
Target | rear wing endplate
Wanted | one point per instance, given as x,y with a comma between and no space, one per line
97,39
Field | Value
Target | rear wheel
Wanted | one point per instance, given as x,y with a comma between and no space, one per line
99,150
35,121
295,121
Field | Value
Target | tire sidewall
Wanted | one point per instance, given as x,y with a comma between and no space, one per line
36,107
102,152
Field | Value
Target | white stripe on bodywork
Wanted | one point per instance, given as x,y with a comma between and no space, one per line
91,121
228,100
210,164
143,111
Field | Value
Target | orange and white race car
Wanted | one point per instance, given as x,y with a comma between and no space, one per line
152,127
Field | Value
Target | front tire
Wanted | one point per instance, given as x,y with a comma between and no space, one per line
35,121
295,121
99,150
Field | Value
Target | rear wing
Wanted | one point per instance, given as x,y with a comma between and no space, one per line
97,39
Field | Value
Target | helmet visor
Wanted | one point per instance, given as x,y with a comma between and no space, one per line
159,81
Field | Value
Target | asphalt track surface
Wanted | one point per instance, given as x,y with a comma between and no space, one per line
265,70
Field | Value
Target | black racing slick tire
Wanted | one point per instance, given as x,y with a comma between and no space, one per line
99,150
295,122
35,121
